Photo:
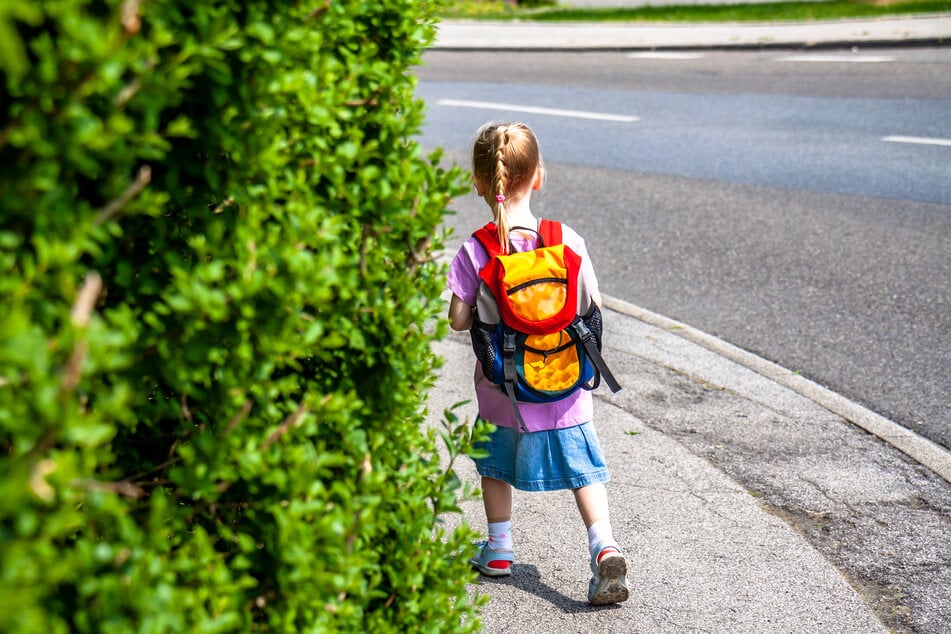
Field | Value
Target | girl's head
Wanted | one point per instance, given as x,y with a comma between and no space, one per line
506,165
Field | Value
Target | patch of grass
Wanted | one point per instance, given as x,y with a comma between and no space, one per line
759,12
495,9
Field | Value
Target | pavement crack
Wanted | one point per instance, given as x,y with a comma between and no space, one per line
827,495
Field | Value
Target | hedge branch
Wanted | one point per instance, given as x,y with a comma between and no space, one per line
172,459
364,245
123,488
373,100
417,254
131,21
319,10
128,91
186,412
239,417
115,206
289,422
86,299
81,313
38,483
227,202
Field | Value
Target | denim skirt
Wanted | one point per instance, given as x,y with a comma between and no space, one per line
568,458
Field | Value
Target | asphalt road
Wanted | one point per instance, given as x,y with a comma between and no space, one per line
754,197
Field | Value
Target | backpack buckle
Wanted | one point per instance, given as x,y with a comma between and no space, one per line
508,342
584,333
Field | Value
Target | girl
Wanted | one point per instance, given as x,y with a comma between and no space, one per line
561,449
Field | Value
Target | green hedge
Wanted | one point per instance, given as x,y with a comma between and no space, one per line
215,279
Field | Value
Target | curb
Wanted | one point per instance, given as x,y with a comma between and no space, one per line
527,36
916,447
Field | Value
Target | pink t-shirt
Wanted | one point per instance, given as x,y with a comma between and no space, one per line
494,406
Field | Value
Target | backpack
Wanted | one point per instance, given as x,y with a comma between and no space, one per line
537,332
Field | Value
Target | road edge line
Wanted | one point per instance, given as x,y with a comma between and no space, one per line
920,449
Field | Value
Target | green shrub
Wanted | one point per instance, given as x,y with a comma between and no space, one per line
215,276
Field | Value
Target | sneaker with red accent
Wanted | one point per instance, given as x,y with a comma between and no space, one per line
492,562
609,583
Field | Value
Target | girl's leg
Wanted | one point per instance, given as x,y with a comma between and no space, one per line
497,498
592,502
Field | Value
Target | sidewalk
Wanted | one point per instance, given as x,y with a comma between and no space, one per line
476,35
710,540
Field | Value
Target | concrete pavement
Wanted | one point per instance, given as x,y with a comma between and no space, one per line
515,35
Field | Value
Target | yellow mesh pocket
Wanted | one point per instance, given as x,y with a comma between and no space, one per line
550,362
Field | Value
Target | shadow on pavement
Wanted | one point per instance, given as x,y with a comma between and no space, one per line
526,578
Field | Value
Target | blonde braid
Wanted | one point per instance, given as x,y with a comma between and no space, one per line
505,159
499,186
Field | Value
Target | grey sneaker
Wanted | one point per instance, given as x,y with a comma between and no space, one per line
609,583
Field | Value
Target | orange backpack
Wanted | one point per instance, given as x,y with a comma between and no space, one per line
537,332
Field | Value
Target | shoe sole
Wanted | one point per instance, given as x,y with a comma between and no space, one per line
491,572
612,584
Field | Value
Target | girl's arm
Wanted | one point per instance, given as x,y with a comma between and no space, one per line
460,314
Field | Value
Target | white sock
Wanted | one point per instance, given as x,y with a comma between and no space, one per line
500,535
600,536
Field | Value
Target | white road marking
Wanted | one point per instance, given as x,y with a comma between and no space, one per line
664,55
845,58
579,114
920,140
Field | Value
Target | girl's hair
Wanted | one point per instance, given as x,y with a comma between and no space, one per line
505,157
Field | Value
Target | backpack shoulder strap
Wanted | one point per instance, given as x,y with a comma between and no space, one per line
488,237
550,232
